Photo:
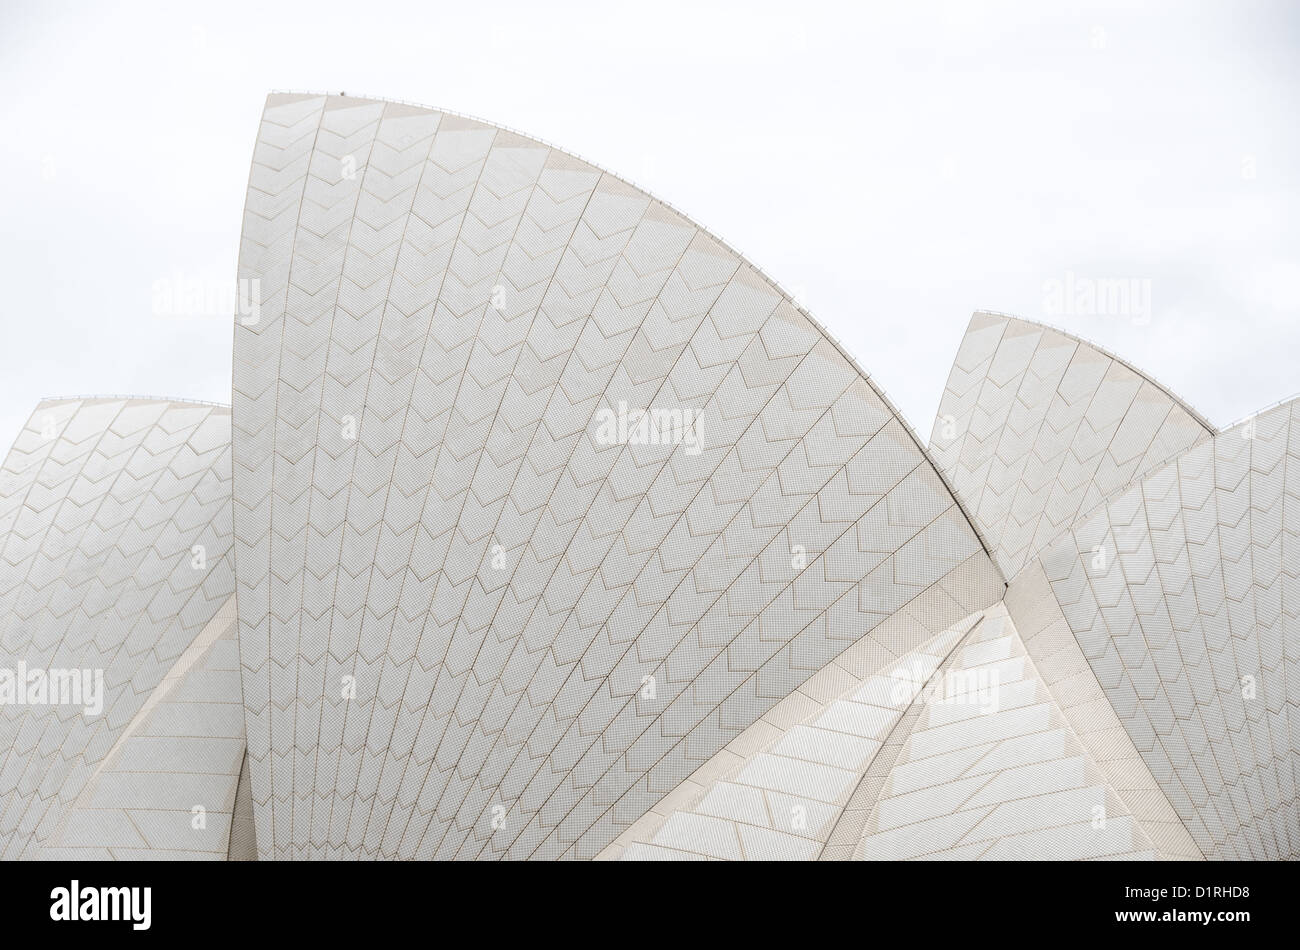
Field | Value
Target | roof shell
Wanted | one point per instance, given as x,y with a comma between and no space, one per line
1036,427
450,312
1181,592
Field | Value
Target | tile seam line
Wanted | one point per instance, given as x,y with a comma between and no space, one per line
311,491
1264,723
1175,470
1290,421
379,335
273,421
978,501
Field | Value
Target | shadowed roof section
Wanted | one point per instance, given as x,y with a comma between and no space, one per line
472,624
1037,427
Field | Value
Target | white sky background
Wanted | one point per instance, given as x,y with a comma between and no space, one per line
895,166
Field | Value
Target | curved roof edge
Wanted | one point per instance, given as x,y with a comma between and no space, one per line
139,397
1236,423
1147,377
109,397
921,445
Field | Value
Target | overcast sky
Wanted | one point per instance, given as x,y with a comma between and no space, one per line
894,166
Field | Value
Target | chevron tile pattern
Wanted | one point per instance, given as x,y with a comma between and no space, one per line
1036,427
544,526
115,521
456,598
1181,592
166,791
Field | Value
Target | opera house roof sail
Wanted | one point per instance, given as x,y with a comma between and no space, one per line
543,525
